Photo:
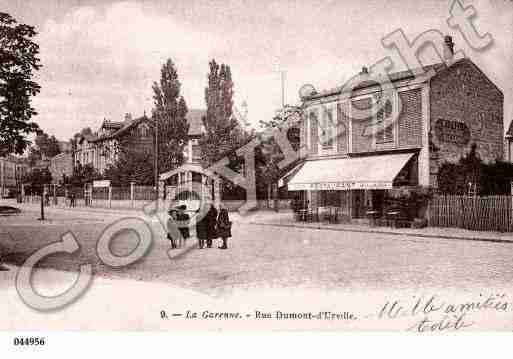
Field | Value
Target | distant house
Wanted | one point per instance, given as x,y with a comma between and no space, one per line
101,149
192,151
12,169
61,167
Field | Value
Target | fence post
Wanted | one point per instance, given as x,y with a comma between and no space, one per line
132,203
110,196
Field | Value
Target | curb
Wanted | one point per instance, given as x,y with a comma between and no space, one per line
421,235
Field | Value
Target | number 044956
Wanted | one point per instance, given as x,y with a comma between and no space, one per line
29,341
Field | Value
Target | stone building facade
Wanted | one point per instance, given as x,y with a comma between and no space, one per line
12,170
354,155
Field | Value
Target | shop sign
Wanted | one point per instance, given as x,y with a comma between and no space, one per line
452,132
102,183
338,186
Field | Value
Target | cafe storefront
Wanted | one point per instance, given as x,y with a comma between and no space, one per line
352,189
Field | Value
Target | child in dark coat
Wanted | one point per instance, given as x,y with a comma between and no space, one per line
171,223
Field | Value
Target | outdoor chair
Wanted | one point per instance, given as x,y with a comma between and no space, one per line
312,215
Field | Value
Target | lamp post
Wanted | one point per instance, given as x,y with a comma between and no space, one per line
42,203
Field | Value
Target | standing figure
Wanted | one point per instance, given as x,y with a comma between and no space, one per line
202,228
224,227
183,219
211,226
170,225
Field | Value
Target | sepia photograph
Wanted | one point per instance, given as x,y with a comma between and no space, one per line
242,166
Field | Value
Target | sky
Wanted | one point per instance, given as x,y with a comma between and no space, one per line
100,58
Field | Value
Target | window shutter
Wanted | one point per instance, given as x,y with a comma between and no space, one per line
314,136
385,127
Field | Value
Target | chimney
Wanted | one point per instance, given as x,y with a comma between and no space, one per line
448,48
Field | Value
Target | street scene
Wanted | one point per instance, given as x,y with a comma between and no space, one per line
161,169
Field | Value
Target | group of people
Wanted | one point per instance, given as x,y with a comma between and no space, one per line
214,224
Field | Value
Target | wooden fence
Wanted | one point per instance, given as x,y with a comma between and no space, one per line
491,213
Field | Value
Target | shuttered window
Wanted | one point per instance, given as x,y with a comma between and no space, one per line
385,128
327,130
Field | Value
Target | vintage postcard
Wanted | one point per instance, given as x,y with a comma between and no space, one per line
264,165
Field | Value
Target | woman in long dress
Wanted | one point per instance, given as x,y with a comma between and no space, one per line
224,227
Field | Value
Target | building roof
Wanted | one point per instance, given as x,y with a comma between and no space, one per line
394,77
122,127
112,124
402,75
128,124
195,120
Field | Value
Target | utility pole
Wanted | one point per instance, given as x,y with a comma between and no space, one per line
283,116
156,159
282,95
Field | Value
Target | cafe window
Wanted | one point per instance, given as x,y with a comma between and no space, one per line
384,124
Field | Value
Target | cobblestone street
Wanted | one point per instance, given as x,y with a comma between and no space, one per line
261,255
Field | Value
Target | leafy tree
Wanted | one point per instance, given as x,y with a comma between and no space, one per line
488,178
223,132
269,154
86,131
47,145
34,155
18,61
135,167
170,114
37,178
84,174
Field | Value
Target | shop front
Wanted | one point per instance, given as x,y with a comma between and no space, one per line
353,189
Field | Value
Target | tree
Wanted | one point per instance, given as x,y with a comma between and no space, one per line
34,156
18,62
269,154
37,178
471,173
170,113
133,166
223,132
47,145
84,174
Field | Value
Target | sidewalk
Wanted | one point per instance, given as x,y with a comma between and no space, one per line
285,219
32,206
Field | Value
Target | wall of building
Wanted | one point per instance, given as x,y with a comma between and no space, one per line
359,135
465,108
